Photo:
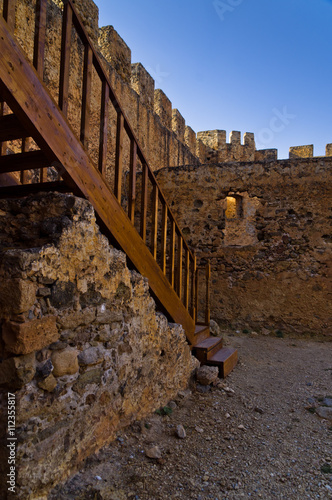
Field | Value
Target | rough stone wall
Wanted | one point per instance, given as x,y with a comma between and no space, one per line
82,346
266,226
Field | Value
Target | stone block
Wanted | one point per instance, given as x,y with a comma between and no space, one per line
116,51
328,151
88,378
190,139
235,137
249,139
48,384
266,154
163,108
200,150
16,296
206,375
90,356
23,338
214,139
65,362
18,371
143,83
301,151
178,124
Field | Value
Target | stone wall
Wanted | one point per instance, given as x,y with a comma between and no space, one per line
82,346
266,226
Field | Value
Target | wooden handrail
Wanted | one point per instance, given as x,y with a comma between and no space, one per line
175,256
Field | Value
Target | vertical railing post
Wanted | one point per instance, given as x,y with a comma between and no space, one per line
164,237
39,39
144,201
154,228
132,180
172,254
24,149
187,280
104,113
207,298
196,293
9,13
65,57
179,267
86,95
38,58
3,145
118,156
193,289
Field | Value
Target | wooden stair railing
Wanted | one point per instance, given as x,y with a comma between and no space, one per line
157,247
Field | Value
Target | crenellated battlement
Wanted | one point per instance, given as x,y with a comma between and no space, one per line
161,129
208,146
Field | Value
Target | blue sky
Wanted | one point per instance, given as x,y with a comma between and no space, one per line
262,66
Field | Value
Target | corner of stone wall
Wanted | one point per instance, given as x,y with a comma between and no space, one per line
82,346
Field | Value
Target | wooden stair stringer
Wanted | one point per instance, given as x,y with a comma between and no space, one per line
35,109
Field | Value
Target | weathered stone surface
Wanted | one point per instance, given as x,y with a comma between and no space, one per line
65,362
88,378
132,360
154,452
214,328
269,255
180,431
48,384
91,356
115,51
324,412
301,151
18,371
143,83
23,338
206,375
16,296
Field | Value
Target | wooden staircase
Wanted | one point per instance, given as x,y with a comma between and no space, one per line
147,231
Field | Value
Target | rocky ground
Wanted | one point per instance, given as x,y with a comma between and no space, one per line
258,434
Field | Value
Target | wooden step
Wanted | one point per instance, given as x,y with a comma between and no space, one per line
202,332
207,348
226,359
26,189
30,160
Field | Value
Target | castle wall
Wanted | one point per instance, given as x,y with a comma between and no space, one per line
265,226
81,347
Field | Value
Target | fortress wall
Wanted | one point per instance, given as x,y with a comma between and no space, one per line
161,130
81,345
266,227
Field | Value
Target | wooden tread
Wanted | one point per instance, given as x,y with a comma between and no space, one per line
205,349
226,359
30,160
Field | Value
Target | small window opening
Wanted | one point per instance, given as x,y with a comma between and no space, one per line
234,208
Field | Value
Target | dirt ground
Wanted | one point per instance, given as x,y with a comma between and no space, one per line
258,434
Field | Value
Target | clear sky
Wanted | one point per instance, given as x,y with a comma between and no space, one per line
262,66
